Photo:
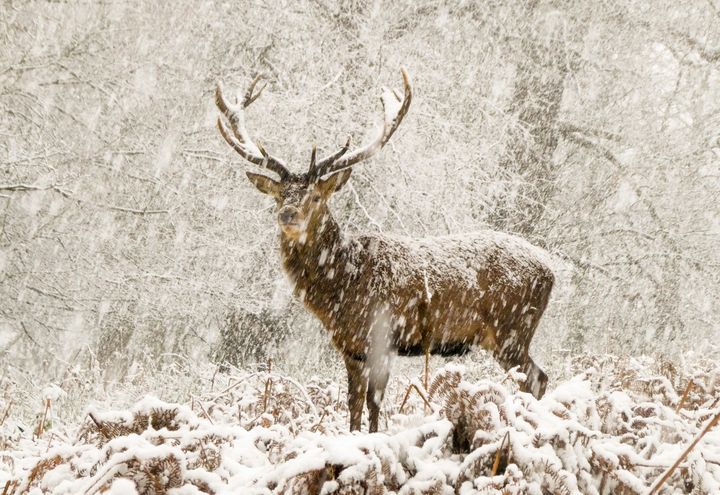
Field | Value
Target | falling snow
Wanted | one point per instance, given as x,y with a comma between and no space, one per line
543,219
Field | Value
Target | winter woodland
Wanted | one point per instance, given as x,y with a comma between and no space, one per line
150,341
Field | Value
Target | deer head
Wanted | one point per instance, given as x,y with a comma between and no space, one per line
302,198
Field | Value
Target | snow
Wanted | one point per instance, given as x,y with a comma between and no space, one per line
52,392
596,428
459,257
391,103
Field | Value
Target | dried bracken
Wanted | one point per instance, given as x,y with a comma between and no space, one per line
615,428
37,473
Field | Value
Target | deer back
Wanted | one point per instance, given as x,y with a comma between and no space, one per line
478,288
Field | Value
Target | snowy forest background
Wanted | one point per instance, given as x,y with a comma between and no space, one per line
130,237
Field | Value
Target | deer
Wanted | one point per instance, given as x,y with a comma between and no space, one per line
381,295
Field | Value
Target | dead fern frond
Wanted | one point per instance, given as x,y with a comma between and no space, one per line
37,473
444,381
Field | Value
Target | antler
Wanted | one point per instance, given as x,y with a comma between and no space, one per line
240,139
394,110
315,171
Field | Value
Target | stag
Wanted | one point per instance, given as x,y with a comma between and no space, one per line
379,295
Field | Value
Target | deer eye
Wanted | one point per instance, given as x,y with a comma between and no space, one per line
315,198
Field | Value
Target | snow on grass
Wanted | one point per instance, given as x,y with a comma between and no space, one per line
614,427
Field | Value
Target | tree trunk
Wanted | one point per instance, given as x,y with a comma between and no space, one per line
531,143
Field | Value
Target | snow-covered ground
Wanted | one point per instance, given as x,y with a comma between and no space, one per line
615,426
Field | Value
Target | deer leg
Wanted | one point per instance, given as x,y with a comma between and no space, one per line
515,353
357,387
536,381
377,381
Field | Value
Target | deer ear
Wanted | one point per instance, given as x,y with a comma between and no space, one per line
336,181
265,185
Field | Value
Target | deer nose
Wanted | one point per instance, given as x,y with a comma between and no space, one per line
287,215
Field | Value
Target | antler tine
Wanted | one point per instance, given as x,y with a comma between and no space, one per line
313,157
237,145
240,139
249,97
328,160
404,107
394,110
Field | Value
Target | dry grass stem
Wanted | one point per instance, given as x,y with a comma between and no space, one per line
655,488
268,385
41,427
504,444
411,387
6,414
99,426
684,396
205,413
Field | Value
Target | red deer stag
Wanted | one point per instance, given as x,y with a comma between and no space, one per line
378,295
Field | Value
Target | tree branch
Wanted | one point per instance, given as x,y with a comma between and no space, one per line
580,140
566,128
707,54
70,195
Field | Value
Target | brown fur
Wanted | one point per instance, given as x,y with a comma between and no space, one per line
379,295
488,289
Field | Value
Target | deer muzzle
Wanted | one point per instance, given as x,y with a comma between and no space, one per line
290,219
